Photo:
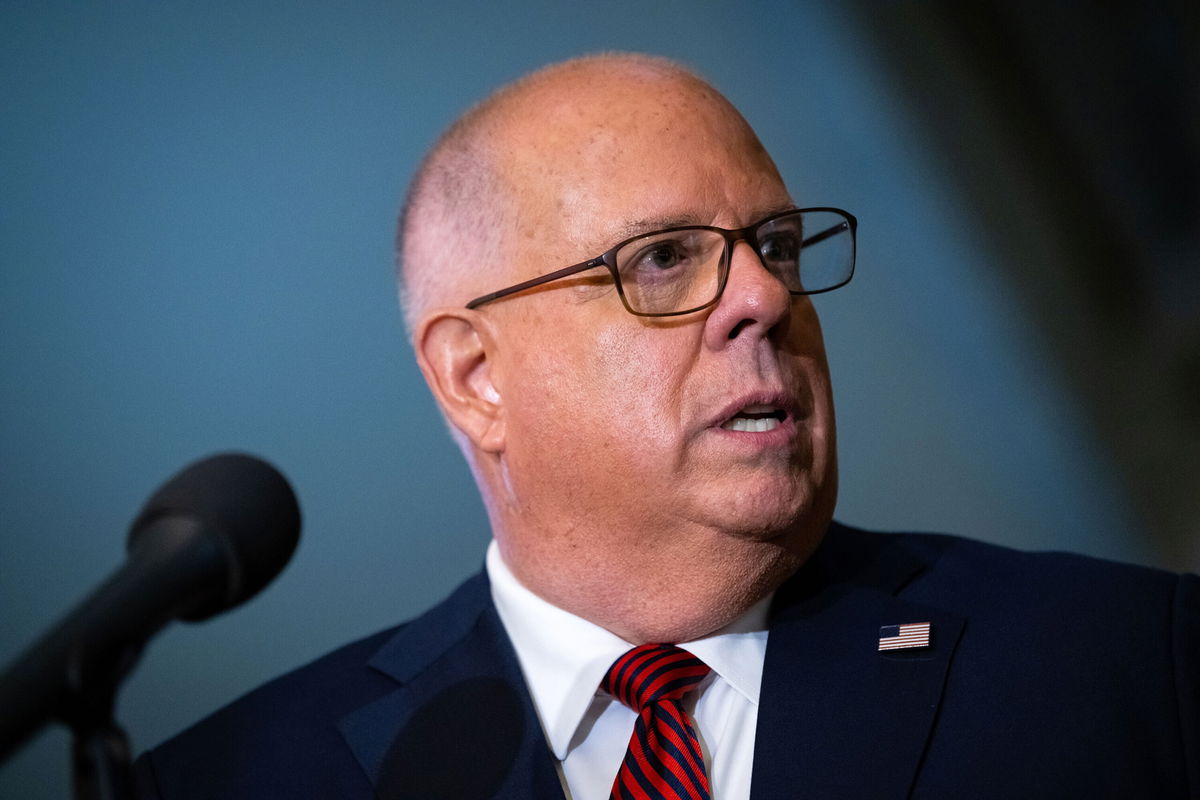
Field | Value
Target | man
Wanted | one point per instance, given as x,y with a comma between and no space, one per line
652,433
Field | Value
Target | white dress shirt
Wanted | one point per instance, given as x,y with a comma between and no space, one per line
564,657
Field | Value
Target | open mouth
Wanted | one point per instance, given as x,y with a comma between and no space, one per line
755,419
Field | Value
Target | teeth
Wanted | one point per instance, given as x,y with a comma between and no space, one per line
744,425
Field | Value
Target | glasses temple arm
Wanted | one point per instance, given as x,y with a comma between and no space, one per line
538,281
817,238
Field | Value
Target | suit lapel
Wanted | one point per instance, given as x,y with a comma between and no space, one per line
460,722
837,717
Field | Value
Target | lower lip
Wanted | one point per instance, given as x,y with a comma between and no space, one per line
781,435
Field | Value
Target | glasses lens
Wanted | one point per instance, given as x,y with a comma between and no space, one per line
810,251
662,273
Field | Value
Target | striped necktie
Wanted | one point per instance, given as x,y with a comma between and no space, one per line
663,761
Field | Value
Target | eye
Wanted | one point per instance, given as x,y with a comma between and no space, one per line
663,255
780,248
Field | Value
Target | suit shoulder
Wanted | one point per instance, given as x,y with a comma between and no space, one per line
1064,597
953,558
941,569
238,751
335,680
288,727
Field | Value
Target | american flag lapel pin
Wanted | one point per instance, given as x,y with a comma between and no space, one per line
904,637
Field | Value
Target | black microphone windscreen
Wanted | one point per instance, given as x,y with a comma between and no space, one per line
245,505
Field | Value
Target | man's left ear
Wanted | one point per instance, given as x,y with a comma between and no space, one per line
456,352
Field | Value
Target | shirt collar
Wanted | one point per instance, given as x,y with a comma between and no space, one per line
564,657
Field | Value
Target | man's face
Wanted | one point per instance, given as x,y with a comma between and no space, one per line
622,441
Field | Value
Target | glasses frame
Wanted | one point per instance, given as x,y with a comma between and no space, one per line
747,234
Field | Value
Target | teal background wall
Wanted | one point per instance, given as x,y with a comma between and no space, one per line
196,225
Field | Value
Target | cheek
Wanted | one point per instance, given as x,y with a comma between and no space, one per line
609,395
590,413
642,375
622,361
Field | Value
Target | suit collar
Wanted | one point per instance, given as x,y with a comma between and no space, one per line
839,718
459,691
425,639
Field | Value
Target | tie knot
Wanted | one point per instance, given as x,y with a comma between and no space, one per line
653,672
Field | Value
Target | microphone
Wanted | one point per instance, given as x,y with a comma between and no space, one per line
210,538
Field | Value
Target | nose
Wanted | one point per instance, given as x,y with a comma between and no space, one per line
754,302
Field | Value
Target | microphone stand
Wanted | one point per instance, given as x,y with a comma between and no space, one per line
100,759
100,754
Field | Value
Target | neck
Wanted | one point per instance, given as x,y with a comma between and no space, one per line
674,598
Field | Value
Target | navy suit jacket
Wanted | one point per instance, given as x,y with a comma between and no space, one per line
1049,676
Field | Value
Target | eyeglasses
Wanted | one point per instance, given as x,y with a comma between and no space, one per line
684,269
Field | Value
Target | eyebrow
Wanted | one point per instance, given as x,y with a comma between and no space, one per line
638,227
633,228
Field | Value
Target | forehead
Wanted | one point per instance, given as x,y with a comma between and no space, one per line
596,161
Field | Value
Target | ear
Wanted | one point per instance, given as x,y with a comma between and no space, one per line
455,351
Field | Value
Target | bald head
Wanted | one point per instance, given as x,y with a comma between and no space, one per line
470,207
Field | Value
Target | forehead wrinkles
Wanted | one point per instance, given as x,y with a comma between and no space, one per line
588,163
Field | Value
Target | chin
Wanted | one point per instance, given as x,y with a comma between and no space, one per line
766,509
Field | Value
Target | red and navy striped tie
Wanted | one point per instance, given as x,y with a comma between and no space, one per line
663,761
